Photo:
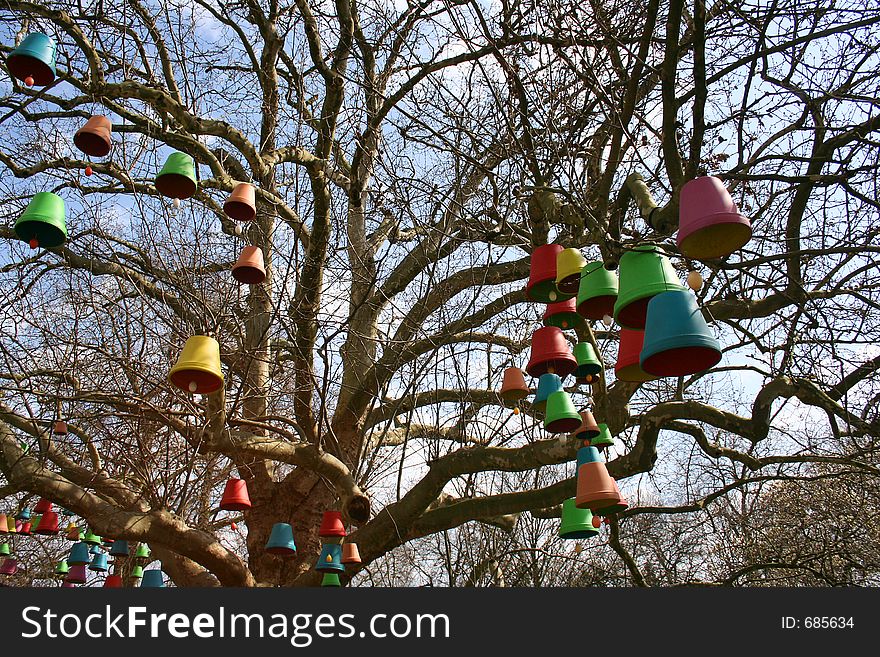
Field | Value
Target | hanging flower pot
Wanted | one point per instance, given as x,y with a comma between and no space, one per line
350,553
542,275
331,524
143,552
91,538
119,550
602,440
709,223
177,179
596,489
43,222
280,541
198,368
547,385
99,563
61,568
33,60
42,506
331,579
77,574
644,273
563,315
5,551
550,353
79,555
576,523
235,496
250,268
330,559
241,204
60,428
561,415
588,428
569,263
153,579
4,524
9,567
628,367
678,341
513,387
588,363
113,582
597,292
137,574
93,138
48,525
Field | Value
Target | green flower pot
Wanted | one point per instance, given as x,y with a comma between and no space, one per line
177,179
644,273
576,523
43,221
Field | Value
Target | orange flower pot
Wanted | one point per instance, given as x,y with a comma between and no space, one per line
241,203
94,137
250,268
513,387
350,553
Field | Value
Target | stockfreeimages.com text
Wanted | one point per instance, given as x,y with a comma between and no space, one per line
299,629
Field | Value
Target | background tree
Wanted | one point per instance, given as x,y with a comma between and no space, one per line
407,158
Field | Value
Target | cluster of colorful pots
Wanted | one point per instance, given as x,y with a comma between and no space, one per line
92,553
335,552
88,555
581,515
555,279
662,333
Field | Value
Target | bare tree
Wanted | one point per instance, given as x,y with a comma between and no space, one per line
407,158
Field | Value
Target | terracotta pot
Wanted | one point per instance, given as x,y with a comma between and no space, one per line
94,137
241,203
513,387
250,268
589,428
596,489
350,553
